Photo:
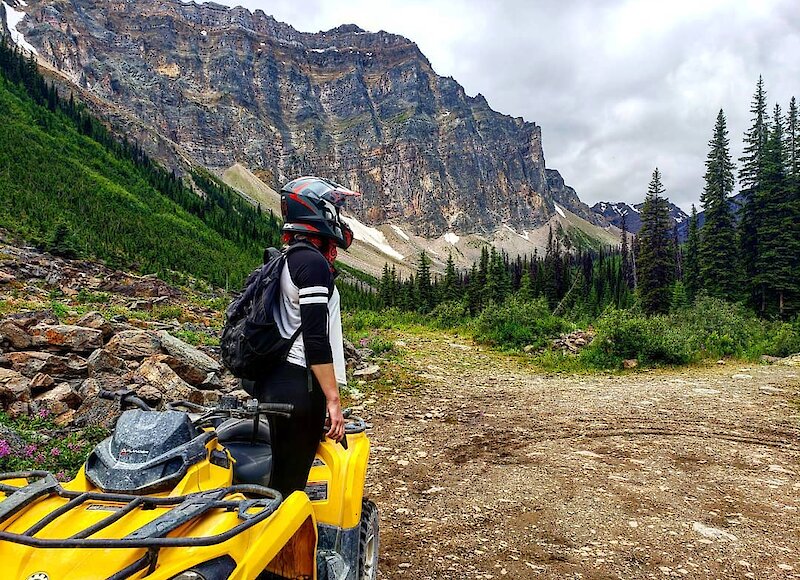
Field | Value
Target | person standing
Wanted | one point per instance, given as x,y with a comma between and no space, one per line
309,379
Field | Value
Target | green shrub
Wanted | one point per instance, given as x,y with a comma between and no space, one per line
717,328
450,314
625,334
783,339
516,323
380,345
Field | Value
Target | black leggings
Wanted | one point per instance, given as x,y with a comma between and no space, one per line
294,440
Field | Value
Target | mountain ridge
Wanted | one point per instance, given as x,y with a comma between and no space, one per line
225,85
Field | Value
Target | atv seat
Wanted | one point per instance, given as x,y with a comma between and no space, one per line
253,457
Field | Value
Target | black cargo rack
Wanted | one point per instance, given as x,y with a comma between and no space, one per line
151,536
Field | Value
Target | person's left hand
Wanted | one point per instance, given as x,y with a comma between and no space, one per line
335,420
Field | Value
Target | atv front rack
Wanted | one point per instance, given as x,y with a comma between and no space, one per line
152,535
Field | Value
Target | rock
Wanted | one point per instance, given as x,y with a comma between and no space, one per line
41,382
96,320
65,418
13,387
368,373
211,381
721,362
767,359
240,394
6,278
769,390
67,337
150,394
15,443
191,364
26,320
210,398
529,348
134,344
95,412
14,335
741,377
56,401
351,356
102,361
713,533
163,378
58,367
90,388
791,361
630,363
18,409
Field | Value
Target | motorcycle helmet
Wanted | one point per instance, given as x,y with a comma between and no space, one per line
312,205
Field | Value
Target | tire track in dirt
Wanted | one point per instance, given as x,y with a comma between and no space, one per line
487,469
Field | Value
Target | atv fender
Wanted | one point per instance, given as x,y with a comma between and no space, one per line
289,546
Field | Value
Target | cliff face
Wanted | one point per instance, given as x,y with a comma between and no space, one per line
225,85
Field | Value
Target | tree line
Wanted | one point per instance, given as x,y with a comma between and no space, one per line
748,252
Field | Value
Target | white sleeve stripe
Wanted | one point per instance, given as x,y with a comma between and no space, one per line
314,290
313,300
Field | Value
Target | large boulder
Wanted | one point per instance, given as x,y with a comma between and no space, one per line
102,361
57,400
67,337
30,318
191,364
96,412
59,367
96,320
41,382
160,376
12,334
134,344
13,387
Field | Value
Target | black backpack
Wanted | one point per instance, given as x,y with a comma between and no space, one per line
251,344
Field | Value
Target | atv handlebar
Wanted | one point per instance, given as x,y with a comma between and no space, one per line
125,397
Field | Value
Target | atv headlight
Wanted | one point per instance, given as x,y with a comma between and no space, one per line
189,575
216,569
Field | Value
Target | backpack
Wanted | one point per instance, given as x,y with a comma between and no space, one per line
251,344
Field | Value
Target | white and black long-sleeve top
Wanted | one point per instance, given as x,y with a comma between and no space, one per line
310,299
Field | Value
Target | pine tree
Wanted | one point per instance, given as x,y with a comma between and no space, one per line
424,288
450,283
627,267
717,252
656,263
525,291
691,268
778,248
750,176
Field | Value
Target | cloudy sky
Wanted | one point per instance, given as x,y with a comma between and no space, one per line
619,87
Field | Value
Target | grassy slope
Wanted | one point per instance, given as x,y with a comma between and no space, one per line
50,173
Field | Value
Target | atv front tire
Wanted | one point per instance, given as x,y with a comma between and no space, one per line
369,542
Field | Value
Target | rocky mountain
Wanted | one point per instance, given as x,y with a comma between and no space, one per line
211,85
613,212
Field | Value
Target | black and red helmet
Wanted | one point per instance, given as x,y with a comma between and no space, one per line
311,205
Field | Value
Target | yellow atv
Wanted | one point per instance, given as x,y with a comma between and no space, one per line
182,494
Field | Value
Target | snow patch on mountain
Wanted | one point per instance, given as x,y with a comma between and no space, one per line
560,211
372,236
13,18
400,232
451,238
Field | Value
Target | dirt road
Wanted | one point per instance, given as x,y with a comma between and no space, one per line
487,469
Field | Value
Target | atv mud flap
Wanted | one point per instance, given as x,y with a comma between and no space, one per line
337,553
